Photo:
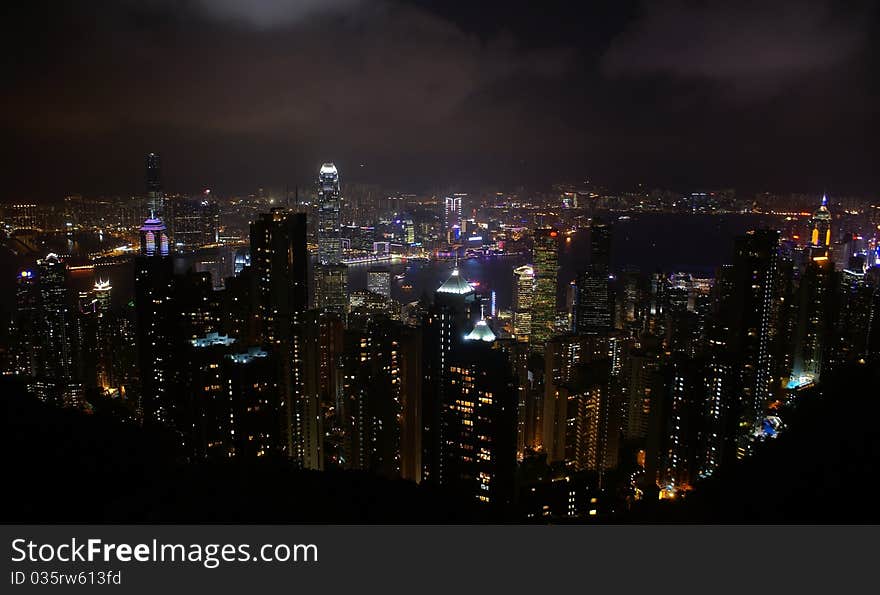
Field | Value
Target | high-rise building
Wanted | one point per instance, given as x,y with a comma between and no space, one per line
331,288
820,229
594,299
25,334
751,315
56,377
157,331
195,222
379,391
452,212
813,330
545,256
523,300
279,257
379,281
444,327
155,197
478,455
329,207
94,334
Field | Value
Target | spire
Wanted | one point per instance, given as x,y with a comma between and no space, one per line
824,200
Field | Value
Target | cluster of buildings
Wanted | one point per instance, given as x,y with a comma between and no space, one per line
637,387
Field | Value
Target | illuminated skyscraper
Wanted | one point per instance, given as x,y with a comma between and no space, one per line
814,320
444,327
94,333
331,276
279,257
155,197
820,229
479,416
26,344
331,288
379,281
523,300
452,211
593,306
56,370
545,256
751,315
329,206
154,288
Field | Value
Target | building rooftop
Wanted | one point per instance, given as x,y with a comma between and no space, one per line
212,339
456,284
481,332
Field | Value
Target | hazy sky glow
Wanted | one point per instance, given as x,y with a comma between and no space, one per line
781,95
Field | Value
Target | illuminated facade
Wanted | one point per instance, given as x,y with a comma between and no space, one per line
155,197
523,300
593,303
329,207
331,288
479,421
279,257
545,256
752,316
379,281
820,229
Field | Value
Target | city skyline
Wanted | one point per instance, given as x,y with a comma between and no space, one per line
533,376
411,261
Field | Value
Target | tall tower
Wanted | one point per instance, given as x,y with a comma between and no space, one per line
154,286
545,256
329,205
523,299
820,225
331,276
478,414
27,324
593,303
55,374
452,211
752,317
156,200
279,257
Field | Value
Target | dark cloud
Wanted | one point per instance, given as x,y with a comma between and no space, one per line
236,94
737,42
267,14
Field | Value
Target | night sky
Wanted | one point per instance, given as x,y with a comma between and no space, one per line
418,95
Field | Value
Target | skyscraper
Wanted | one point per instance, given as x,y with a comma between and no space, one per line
820,229
813,330
751,315
55,374
545,256
593,305
329,206
452,211
523,300
27,352
154,287
331,276
379,281
279,257
155,197
479,414
331,288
